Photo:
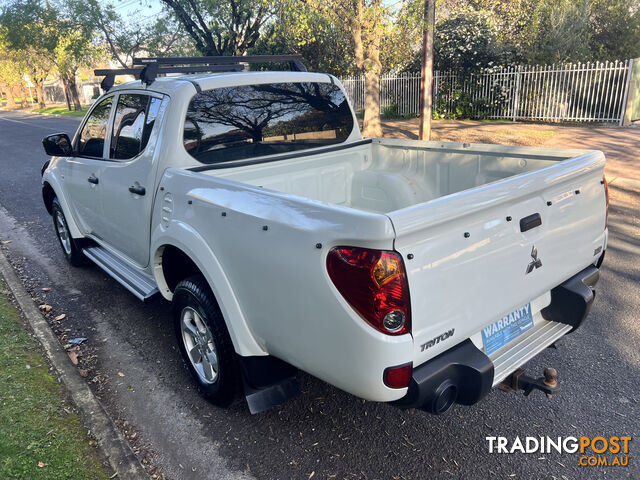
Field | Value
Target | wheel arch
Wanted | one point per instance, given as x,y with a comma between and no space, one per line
173,258
50,190
48,194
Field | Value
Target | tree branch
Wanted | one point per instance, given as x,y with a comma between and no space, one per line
192,28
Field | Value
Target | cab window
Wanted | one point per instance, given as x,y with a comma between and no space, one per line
91,140
234,123
132,125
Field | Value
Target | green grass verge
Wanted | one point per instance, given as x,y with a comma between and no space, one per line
62,111
17,99
38,438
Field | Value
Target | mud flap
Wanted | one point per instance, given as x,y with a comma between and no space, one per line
268,382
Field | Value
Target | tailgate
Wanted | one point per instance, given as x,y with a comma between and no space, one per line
468,262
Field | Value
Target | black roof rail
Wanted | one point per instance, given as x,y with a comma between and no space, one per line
147,69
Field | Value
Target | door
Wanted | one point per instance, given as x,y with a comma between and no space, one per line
127,180
82,172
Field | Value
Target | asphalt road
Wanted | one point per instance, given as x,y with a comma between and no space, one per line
133,364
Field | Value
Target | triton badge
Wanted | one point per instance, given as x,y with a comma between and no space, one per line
437,340
535,262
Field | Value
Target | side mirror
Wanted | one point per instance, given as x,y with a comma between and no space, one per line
57,145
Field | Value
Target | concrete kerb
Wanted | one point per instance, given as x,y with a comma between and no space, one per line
118,452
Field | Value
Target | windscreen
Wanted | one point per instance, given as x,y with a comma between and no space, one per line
233,123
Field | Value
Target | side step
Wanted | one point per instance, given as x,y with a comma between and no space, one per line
140,284
508,358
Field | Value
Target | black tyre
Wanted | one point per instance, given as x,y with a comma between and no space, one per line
70,246
205,344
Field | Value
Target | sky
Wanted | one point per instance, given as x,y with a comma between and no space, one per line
144,8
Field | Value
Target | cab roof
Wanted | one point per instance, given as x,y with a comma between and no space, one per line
171,84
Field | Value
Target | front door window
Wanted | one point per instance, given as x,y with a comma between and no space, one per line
91,140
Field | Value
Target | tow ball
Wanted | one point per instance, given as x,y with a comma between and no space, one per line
519,381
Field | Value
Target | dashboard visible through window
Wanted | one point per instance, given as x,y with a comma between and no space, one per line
233,123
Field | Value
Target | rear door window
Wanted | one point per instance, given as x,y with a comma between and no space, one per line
91,140
234,123
132,125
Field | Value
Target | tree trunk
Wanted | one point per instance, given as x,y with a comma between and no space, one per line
17,91
11,100
367,35
426,76
65,87
23,96
372,127
40,94
75,97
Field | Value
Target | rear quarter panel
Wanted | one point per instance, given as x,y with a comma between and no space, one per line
272,249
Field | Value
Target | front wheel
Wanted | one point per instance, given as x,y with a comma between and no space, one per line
70,247
204,341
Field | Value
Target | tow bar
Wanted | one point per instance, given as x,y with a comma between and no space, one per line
519,381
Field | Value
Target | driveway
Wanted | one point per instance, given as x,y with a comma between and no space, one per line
134,366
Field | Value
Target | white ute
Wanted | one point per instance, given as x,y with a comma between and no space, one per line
418,273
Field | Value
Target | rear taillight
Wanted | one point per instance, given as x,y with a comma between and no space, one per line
374,283
606,196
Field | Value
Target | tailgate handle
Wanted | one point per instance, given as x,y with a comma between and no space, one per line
529,222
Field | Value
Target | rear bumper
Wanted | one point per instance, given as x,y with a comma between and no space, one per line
464,374
572,300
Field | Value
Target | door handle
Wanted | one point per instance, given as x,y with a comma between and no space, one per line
93,179
532,221
137,189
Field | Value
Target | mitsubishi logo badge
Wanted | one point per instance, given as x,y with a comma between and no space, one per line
535,262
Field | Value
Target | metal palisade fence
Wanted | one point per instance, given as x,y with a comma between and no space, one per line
581,92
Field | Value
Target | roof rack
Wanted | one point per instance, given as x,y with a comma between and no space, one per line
147,69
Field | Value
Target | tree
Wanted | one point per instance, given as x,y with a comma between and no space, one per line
563,32
38,67
426,72
31,33
165,37
73,50
517,22
222,27
48,39
402,41
367,24
125,38
467,41
615,29
11,69
367,21
10,77
317,35
547,31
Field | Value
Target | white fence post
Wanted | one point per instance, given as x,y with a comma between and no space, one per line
516,99
625,96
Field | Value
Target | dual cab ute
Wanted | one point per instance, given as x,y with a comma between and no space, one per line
417,273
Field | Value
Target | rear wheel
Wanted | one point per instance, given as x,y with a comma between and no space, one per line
204,341
69,245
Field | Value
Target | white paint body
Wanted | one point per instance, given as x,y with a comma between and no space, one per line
414,197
